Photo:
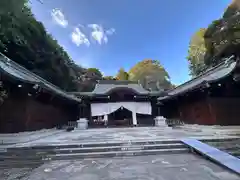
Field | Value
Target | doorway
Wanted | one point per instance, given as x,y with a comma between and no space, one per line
121,117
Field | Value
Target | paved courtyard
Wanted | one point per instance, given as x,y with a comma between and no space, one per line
55,137
161,167
7,139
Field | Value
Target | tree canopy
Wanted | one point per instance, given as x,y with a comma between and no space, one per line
109,78
221,39
25,40
151,74
122,75
232,9
196,53
89,79
93,74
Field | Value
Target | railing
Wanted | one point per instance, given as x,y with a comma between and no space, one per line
72,124
174,122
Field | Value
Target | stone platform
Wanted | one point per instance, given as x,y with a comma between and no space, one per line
55,137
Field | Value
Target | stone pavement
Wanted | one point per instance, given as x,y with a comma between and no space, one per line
23,137
162,167
131,134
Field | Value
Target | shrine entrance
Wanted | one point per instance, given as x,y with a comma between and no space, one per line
121,117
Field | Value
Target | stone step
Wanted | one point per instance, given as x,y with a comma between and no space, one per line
41,153
233,148
20,164
120,148
228,145
117,154
220,140
92,144
235,153
22,161
32,157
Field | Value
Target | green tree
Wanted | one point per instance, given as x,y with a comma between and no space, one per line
89,79
222,36
232,9
151,74
122,75
109,78
196,53
93,74
25,40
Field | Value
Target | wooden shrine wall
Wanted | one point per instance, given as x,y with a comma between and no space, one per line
227,110
23,113
198,112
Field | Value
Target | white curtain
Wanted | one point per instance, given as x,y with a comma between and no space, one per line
143,108
101,109
138,107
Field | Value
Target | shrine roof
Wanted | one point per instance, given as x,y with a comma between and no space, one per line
212,75
16,71
104,87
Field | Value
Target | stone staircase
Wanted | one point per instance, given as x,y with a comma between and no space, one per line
37,155
230,146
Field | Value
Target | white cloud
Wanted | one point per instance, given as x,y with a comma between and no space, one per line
79,37
110,31
99,34
59,18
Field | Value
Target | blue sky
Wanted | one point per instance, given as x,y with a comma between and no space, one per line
110,34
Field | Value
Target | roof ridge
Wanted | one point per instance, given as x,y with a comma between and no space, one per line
35,78
25,70
116,82
214,68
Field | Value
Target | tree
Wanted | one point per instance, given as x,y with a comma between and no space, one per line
122,75
109,78
25,40
232,9
222,36
196,53
151,74
89,79
93,74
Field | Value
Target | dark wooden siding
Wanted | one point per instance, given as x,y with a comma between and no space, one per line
23,113
40,115
227,110
13,115
199,112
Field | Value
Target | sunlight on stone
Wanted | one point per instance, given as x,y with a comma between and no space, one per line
47,170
